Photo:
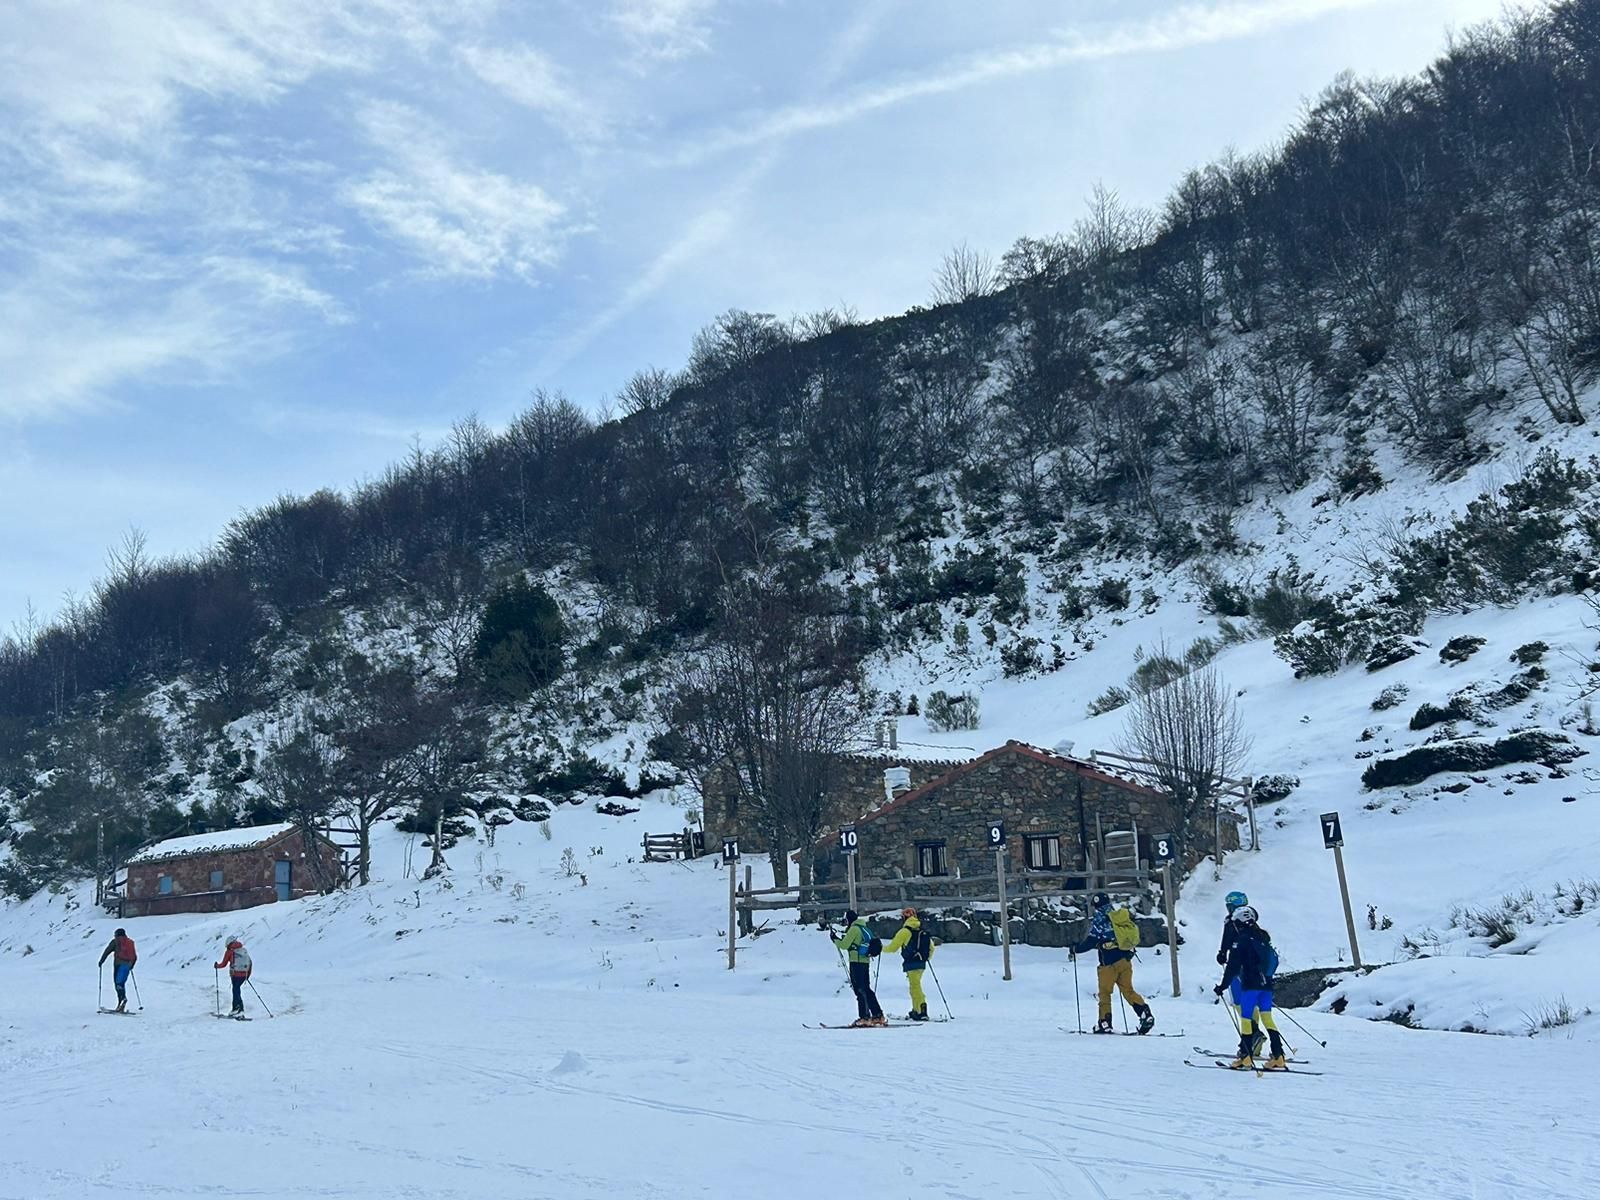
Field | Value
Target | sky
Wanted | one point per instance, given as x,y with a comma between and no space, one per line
256,247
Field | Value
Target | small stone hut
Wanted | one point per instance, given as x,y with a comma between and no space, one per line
1054,807
232,869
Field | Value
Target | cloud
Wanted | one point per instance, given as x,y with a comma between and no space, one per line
529,78
664,29
1188,26
459,220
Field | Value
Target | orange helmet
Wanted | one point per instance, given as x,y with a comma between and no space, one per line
908,912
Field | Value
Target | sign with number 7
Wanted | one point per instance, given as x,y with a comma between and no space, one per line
1332,834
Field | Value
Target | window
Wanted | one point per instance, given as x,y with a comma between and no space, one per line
164,884
216,881
931,859
1042,851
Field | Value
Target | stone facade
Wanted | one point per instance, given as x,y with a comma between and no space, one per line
248,878
939,830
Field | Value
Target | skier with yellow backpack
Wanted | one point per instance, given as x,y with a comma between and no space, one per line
1115,936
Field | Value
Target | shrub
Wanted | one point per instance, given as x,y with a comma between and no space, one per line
1529,653
1226,599
1113,594
945,712
1269,789
1289,599
520,641
1552,1014
581,774
1109,700
1155,672
1390,697
1522,685
1019,657
1533,745
1389,651
1458,708
1337,639
1459,649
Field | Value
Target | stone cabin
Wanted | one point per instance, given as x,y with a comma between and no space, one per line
235,868
1055,810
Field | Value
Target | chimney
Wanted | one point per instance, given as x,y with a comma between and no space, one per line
1064,747
896,782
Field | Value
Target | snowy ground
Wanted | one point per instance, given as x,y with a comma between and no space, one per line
517,1033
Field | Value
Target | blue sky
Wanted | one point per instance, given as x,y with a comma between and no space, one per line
250,247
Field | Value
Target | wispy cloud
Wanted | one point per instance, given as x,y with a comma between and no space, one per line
664,29
458,220
1188,26
528,77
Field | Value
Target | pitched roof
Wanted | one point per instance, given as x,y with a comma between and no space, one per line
212,843
1074,766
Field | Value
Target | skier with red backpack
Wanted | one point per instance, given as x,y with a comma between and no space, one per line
1115,936
237,960
123,955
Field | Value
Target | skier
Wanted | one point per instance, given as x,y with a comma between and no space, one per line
856,946
1116,964
123,955
1230,932
1251,962
237,960
916,951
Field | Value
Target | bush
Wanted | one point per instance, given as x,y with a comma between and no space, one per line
945,712
1522,685
1109,700
1113,594
1155,672
1389,651
1336,639
520,641
581,774
1534,745
1457,708
1529,653
1289,599
1459,649
1390,697
1269,789
1226,599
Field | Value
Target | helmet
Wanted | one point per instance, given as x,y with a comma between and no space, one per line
120,933
1235,900
908,912
1245,915
236,937
1100,900
850,915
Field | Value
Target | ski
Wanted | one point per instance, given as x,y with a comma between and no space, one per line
890,1025
112,1012
1119,1033
1214,1054
230,1017
1219,1065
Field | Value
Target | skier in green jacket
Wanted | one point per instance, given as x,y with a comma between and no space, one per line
855,946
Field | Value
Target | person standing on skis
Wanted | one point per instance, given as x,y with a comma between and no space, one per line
916,951
237,960
1251,964
123,955
856,946
1264,1023
1116,963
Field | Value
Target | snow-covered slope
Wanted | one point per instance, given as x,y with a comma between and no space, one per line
513,1031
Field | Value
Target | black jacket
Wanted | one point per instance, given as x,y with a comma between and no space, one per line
1230,931
1247,959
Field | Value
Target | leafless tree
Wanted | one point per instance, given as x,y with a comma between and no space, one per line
1192,733
964,274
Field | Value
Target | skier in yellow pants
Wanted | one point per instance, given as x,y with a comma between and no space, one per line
1116,967
916,951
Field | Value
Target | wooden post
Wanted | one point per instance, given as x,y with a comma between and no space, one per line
1250,805
1216,834
733,900
1172,925
850,879
1344,895
1005,916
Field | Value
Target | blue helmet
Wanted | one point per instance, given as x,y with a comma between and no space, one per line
1235,899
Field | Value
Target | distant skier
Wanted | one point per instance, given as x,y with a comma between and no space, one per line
856,945
916,951
1230,932
123,955
1251,964
237,960
1115,937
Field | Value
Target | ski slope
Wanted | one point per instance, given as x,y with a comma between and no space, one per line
513,1032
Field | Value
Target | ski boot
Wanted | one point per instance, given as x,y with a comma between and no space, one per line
1244,1061
1258,1045
878,1022
122,1005
861,1023
1277,1062
1104,1025
1147,1019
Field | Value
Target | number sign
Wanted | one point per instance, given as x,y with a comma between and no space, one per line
997,835
730,850
1164,850
849,842
1332,835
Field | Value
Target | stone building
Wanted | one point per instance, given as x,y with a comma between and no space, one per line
1060,814
236,868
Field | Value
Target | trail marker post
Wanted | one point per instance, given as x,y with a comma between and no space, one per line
1333,839
850,842
1164,851
997,839
730,858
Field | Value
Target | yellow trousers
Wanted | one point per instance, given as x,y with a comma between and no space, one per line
1117,975
918,1000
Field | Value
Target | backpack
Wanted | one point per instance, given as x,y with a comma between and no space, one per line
1124,929
875,946
919,948
1269,962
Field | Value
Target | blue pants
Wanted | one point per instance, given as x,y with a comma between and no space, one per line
120,978
238,995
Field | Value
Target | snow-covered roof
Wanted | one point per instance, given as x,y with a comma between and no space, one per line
212,843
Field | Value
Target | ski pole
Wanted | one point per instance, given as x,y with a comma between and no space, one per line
216,992
1077,1000
942,1000
100,993
1306,1031
260,1001
136,994
1124,1005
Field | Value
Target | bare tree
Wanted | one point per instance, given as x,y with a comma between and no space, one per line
773,702
1191,732
964,274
